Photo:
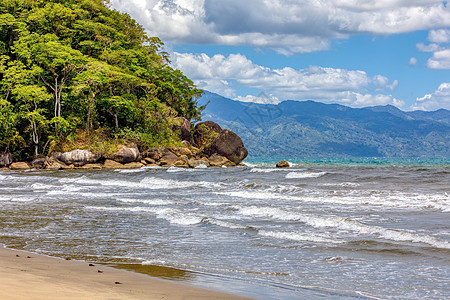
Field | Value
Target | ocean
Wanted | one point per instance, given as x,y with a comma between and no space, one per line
324,228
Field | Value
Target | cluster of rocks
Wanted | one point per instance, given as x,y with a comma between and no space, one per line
208,146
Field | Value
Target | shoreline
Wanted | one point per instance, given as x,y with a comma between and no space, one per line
26,275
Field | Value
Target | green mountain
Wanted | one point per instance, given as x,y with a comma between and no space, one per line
77,74
312,129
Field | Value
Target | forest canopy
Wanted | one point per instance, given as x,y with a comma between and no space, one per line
73,71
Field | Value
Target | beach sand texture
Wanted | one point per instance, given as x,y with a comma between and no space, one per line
25,275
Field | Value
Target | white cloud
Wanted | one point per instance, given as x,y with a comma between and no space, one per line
439,99
441,53
439,36
286,26
413,61
440,60
350,87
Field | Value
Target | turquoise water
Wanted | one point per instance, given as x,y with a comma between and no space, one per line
366,161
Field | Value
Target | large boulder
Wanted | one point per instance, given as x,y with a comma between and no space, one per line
126,154
19,166
5,159
168,160
182,127
79,157
212,139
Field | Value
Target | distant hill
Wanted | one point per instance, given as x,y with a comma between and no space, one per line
313,129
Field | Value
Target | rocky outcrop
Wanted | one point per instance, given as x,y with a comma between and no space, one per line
211,139
79,157
283,164
126,154
211,146
5,159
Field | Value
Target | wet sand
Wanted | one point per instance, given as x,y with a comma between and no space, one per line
25,275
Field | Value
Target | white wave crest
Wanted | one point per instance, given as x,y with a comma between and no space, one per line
127,171
296,236
176,169
299,175
261,170
344,224
149,202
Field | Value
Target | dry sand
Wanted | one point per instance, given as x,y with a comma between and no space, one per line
26,275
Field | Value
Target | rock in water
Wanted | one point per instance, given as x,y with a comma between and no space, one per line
79,157
212,139
5,159
126,154
283,164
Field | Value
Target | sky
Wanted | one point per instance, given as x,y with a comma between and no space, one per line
352,52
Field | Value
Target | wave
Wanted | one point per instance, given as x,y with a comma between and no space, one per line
300,175
15,198
359,200
261,170
301,237
172,215
151,183
176,169
149,202
343,224
127,171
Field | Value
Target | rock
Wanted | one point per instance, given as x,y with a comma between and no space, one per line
149,160
211,139
180,151
92,167
19,166
143,162
126,154
283,164
111,164
133,165
53,166
181,164
183,128
168,160
39,163
156,153
5,159
205,133
79,157
216,160
195,163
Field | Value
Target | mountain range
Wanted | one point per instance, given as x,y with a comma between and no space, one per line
313,129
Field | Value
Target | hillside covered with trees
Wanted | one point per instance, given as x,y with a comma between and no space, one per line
75,73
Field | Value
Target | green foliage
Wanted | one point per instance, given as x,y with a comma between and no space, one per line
77,67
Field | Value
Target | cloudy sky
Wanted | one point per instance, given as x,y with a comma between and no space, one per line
353,52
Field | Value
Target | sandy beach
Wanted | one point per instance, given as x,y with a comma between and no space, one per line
25,275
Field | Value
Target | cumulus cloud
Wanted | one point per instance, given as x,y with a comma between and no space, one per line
286,26
439,47
439,99
349,87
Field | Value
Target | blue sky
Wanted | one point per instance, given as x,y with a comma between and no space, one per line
352,52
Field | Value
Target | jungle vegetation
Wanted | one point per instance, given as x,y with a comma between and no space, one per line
76,73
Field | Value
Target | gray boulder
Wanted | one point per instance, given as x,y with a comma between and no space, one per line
79,157
126,154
